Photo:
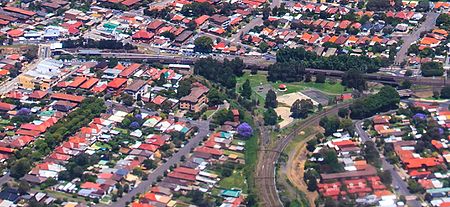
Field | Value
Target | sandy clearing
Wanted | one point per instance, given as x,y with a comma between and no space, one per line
285,102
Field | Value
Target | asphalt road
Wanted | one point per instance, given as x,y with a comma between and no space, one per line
397,181
236,38
268,156
144,186
428,24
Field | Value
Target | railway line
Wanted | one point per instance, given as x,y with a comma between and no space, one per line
265,172
257,63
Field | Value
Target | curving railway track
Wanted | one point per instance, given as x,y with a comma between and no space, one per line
265,172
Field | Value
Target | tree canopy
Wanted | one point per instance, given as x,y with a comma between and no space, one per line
223,73
203,44
337,62
270,117
197,9
386,99
378,5
429,69
445,92
271,99
354,79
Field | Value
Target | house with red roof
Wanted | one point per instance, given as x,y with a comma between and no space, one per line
117,83
67,97
143,36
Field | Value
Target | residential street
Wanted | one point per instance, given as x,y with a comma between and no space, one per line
397,181
236,38
428,24
144,186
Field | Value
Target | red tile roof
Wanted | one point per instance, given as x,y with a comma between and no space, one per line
117,83
149,147
28,132
209,150
129,2
130,70
6,149
186,170
37,94
143,34
182,176
18,10
77,81
89,83
6,106
67,97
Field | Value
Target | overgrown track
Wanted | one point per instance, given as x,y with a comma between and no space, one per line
265,172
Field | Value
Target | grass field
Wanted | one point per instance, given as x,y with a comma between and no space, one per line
307,132
236,180
261,79
327,87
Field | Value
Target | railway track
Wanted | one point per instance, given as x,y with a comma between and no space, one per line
265,172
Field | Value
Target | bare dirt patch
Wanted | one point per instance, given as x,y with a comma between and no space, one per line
295,169
284,106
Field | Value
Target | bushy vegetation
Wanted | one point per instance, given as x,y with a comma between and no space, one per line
386,99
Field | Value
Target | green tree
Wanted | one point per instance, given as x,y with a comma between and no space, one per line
149,164
371,153
312,185
215,98
20,167
354,79
429,69
343,112
301,108
271,99
445,92
330,161
270,117
203,44
408,73
161,80
330,124
320,78
222,116
385,177
197,9
184,88
378,5
415,187
423,6
406,84
443,21
263,47
127,99
24,187
246,91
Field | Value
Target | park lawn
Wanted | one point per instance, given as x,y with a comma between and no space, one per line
255,80
236,180
327,87
261,79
